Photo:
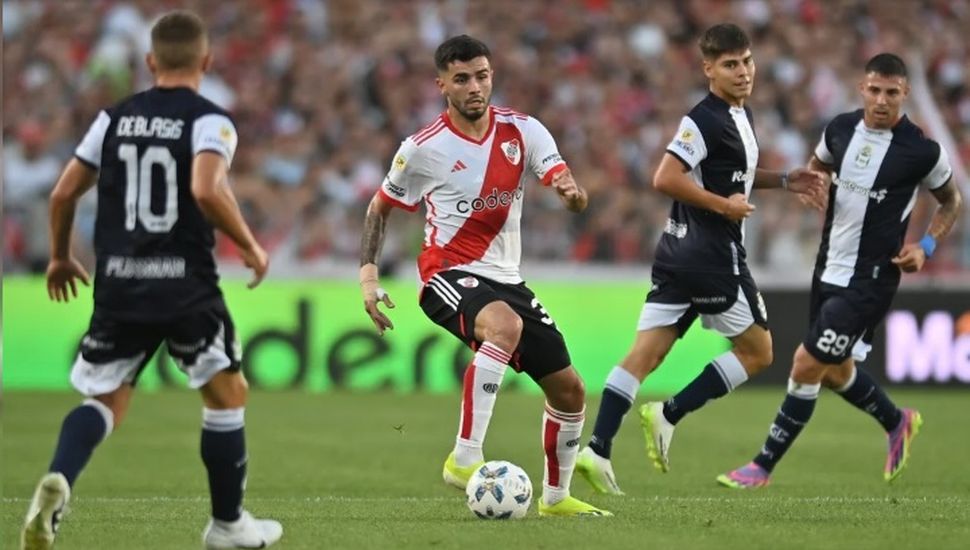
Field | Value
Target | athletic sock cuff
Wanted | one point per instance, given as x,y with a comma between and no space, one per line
106,413
803,391
621,382
223,420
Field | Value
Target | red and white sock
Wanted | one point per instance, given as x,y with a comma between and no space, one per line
560,440
479,390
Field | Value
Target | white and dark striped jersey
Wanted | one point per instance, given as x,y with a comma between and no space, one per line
876,178
153,245
717,143
472,190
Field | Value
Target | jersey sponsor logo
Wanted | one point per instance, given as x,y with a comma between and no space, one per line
393,189
554,158
128,267
684,146
468,282
863,157
489,202
399,163
854,187
490,387
737,176
572,443
512,151
157,127
458,167
709,300
678,230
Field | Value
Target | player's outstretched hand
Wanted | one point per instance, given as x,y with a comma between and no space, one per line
910,258
738,207
812,187
255,258
373,293
569,190
61,275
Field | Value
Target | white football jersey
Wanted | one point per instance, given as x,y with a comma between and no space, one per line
472,190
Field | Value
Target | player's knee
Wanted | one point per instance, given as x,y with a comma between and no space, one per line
226,390
805,368
755,358
505,331
571,395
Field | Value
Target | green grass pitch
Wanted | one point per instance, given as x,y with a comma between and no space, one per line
363,471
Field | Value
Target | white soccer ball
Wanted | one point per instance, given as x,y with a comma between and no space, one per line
499,490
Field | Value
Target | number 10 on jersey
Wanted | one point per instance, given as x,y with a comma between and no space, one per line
138,187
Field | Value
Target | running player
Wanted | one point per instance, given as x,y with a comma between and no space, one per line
469,167
159,159
878,160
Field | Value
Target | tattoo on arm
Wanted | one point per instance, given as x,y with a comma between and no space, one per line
951,202
375,224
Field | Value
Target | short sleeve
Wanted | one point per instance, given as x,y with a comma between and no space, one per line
689,144
822,151
89,150
216,133
941,171
403,186
542,154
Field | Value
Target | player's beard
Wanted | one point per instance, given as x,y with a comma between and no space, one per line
471,116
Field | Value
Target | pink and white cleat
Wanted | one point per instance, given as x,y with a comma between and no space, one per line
900,441
749,476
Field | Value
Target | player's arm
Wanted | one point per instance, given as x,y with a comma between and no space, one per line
210,187
572,195
63,268
672,179
913,255
371,242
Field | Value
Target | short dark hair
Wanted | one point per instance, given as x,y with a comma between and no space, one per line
459,48
721,39
178,40
887,64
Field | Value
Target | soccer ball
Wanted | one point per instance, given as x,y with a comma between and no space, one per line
499,490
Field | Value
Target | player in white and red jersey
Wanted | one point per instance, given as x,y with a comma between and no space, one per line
469,167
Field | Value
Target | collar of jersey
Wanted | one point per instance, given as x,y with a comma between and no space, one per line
454,129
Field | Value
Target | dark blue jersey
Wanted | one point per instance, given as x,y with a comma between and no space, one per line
717,144
153,245
876,178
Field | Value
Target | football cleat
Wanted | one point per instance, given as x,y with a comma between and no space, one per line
598,471
749,476
900,441
44,514
458,476
245,532
571,506
658,432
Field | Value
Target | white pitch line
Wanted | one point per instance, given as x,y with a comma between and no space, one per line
346,499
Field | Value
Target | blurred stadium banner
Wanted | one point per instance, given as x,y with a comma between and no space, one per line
925,339
315,335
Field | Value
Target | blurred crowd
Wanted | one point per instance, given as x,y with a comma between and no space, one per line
322,93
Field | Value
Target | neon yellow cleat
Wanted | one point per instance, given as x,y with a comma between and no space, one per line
658,432
598,472
458,476
571,506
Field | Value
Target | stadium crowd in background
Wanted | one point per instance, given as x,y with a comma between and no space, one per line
324,91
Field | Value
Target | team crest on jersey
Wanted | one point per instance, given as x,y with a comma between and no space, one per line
468,282
512,151
864,156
